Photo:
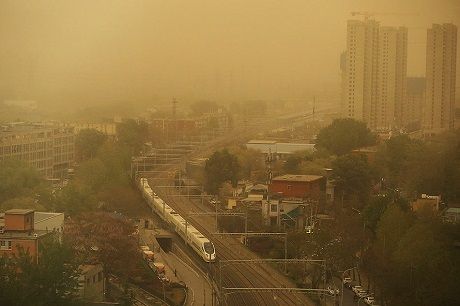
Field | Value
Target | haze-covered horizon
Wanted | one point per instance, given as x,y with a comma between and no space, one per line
89,52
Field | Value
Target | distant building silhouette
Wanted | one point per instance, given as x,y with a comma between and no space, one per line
441,61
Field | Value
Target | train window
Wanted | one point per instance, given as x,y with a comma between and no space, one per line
208,247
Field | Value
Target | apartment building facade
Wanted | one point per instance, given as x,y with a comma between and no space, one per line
391,77
48,148
374,73
412,112
441,61
18,231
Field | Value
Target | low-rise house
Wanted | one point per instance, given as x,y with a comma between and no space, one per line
295,213
426,202
311,187
258,189
19,229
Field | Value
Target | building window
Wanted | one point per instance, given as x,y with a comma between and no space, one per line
5,245
99,276
273,208
289,187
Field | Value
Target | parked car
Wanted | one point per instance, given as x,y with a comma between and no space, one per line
369,300
356,288
333,290
362,293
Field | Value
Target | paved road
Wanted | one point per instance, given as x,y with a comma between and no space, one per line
199,289
347,293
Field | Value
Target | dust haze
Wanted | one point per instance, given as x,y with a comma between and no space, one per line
69,54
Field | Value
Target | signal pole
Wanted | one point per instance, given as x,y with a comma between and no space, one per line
174,109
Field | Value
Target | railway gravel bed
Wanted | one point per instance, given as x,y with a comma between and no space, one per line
229,248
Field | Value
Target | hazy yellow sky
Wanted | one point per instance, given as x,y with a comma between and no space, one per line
92,51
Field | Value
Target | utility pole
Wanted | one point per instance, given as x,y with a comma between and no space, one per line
174,109
269,161
314,104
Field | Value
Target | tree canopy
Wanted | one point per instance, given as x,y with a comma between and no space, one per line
21,186
414,166
250,161
53,281
344,135
133,134
221,167
105,237
87,142
17,178
353,176
413,260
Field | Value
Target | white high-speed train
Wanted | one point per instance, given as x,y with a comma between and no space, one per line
197,241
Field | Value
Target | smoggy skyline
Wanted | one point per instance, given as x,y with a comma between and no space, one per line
91,52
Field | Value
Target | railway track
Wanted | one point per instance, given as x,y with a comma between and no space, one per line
228,248
242,275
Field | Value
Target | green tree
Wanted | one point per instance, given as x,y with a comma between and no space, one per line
133,134
74,199
22,202
52,281
353,177
87,142
344,135
292,164
423,268
221,167
392,226
393,157
449,165
17,178
92,173
377,205
250,161
109,168
107,238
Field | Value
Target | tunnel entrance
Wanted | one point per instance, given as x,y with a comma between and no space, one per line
164,239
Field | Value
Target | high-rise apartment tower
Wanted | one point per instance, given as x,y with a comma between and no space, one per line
441,61
375,73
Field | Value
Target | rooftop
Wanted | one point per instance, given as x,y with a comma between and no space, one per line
18,211
258,187
366,150
41,216
28,235
297,178
262,141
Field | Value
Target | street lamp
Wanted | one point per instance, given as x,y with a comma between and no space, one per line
343,276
